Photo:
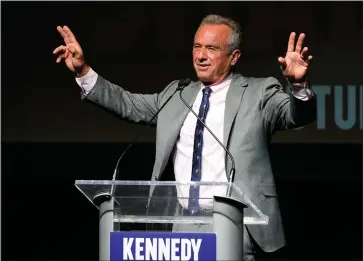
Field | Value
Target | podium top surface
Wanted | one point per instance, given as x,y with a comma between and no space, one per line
166,201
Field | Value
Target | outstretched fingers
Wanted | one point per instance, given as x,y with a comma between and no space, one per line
67,34
291,43
61,31
300,42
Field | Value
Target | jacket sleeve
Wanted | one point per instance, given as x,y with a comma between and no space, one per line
129,106
282,109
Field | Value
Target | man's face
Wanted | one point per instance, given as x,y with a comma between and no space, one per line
210,55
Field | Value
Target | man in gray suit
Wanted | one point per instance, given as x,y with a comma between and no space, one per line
243,112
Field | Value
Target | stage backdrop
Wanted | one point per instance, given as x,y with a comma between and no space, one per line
144,46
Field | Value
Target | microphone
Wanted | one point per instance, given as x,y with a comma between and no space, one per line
233,169
105,196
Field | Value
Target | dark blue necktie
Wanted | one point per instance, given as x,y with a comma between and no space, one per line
193,205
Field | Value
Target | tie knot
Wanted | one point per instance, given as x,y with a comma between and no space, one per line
207,91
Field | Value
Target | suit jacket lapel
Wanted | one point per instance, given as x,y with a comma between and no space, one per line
233,101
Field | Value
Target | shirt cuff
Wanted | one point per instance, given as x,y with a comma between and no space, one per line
88,81
301,91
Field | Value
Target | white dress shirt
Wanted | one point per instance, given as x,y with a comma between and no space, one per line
213,155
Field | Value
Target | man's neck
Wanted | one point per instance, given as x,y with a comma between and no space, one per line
223,78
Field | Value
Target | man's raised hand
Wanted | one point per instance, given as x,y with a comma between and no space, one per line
71,52
296,62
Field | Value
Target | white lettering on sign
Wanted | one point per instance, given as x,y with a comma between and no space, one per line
196,247
127,252
161,248
151,249
186,249
164,249
139,242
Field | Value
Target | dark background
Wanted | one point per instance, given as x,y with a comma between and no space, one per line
50,138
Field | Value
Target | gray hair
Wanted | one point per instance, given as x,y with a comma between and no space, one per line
235,39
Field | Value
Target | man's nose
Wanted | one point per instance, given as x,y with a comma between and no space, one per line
202,55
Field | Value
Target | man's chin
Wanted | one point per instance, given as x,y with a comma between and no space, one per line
204,78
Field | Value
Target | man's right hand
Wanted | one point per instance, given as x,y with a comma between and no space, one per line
71,53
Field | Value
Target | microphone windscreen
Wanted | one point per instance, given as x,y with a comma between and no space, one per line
184,82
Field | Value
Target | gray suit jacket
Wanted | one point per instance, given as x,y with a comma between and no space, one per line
255,109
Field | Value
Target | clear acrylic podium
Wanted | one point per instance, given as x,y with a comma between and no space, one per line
162,204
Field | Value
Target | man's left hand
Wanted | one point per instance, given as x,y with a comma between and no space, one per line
296,62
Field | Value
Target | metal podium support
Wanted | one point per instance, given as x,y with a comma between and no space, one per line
228,225
106,225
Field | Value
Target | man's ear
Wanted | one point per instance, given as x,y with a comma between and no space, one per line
235,56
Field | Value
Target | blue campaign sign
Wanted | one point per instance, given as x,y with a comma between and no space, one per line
162,246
